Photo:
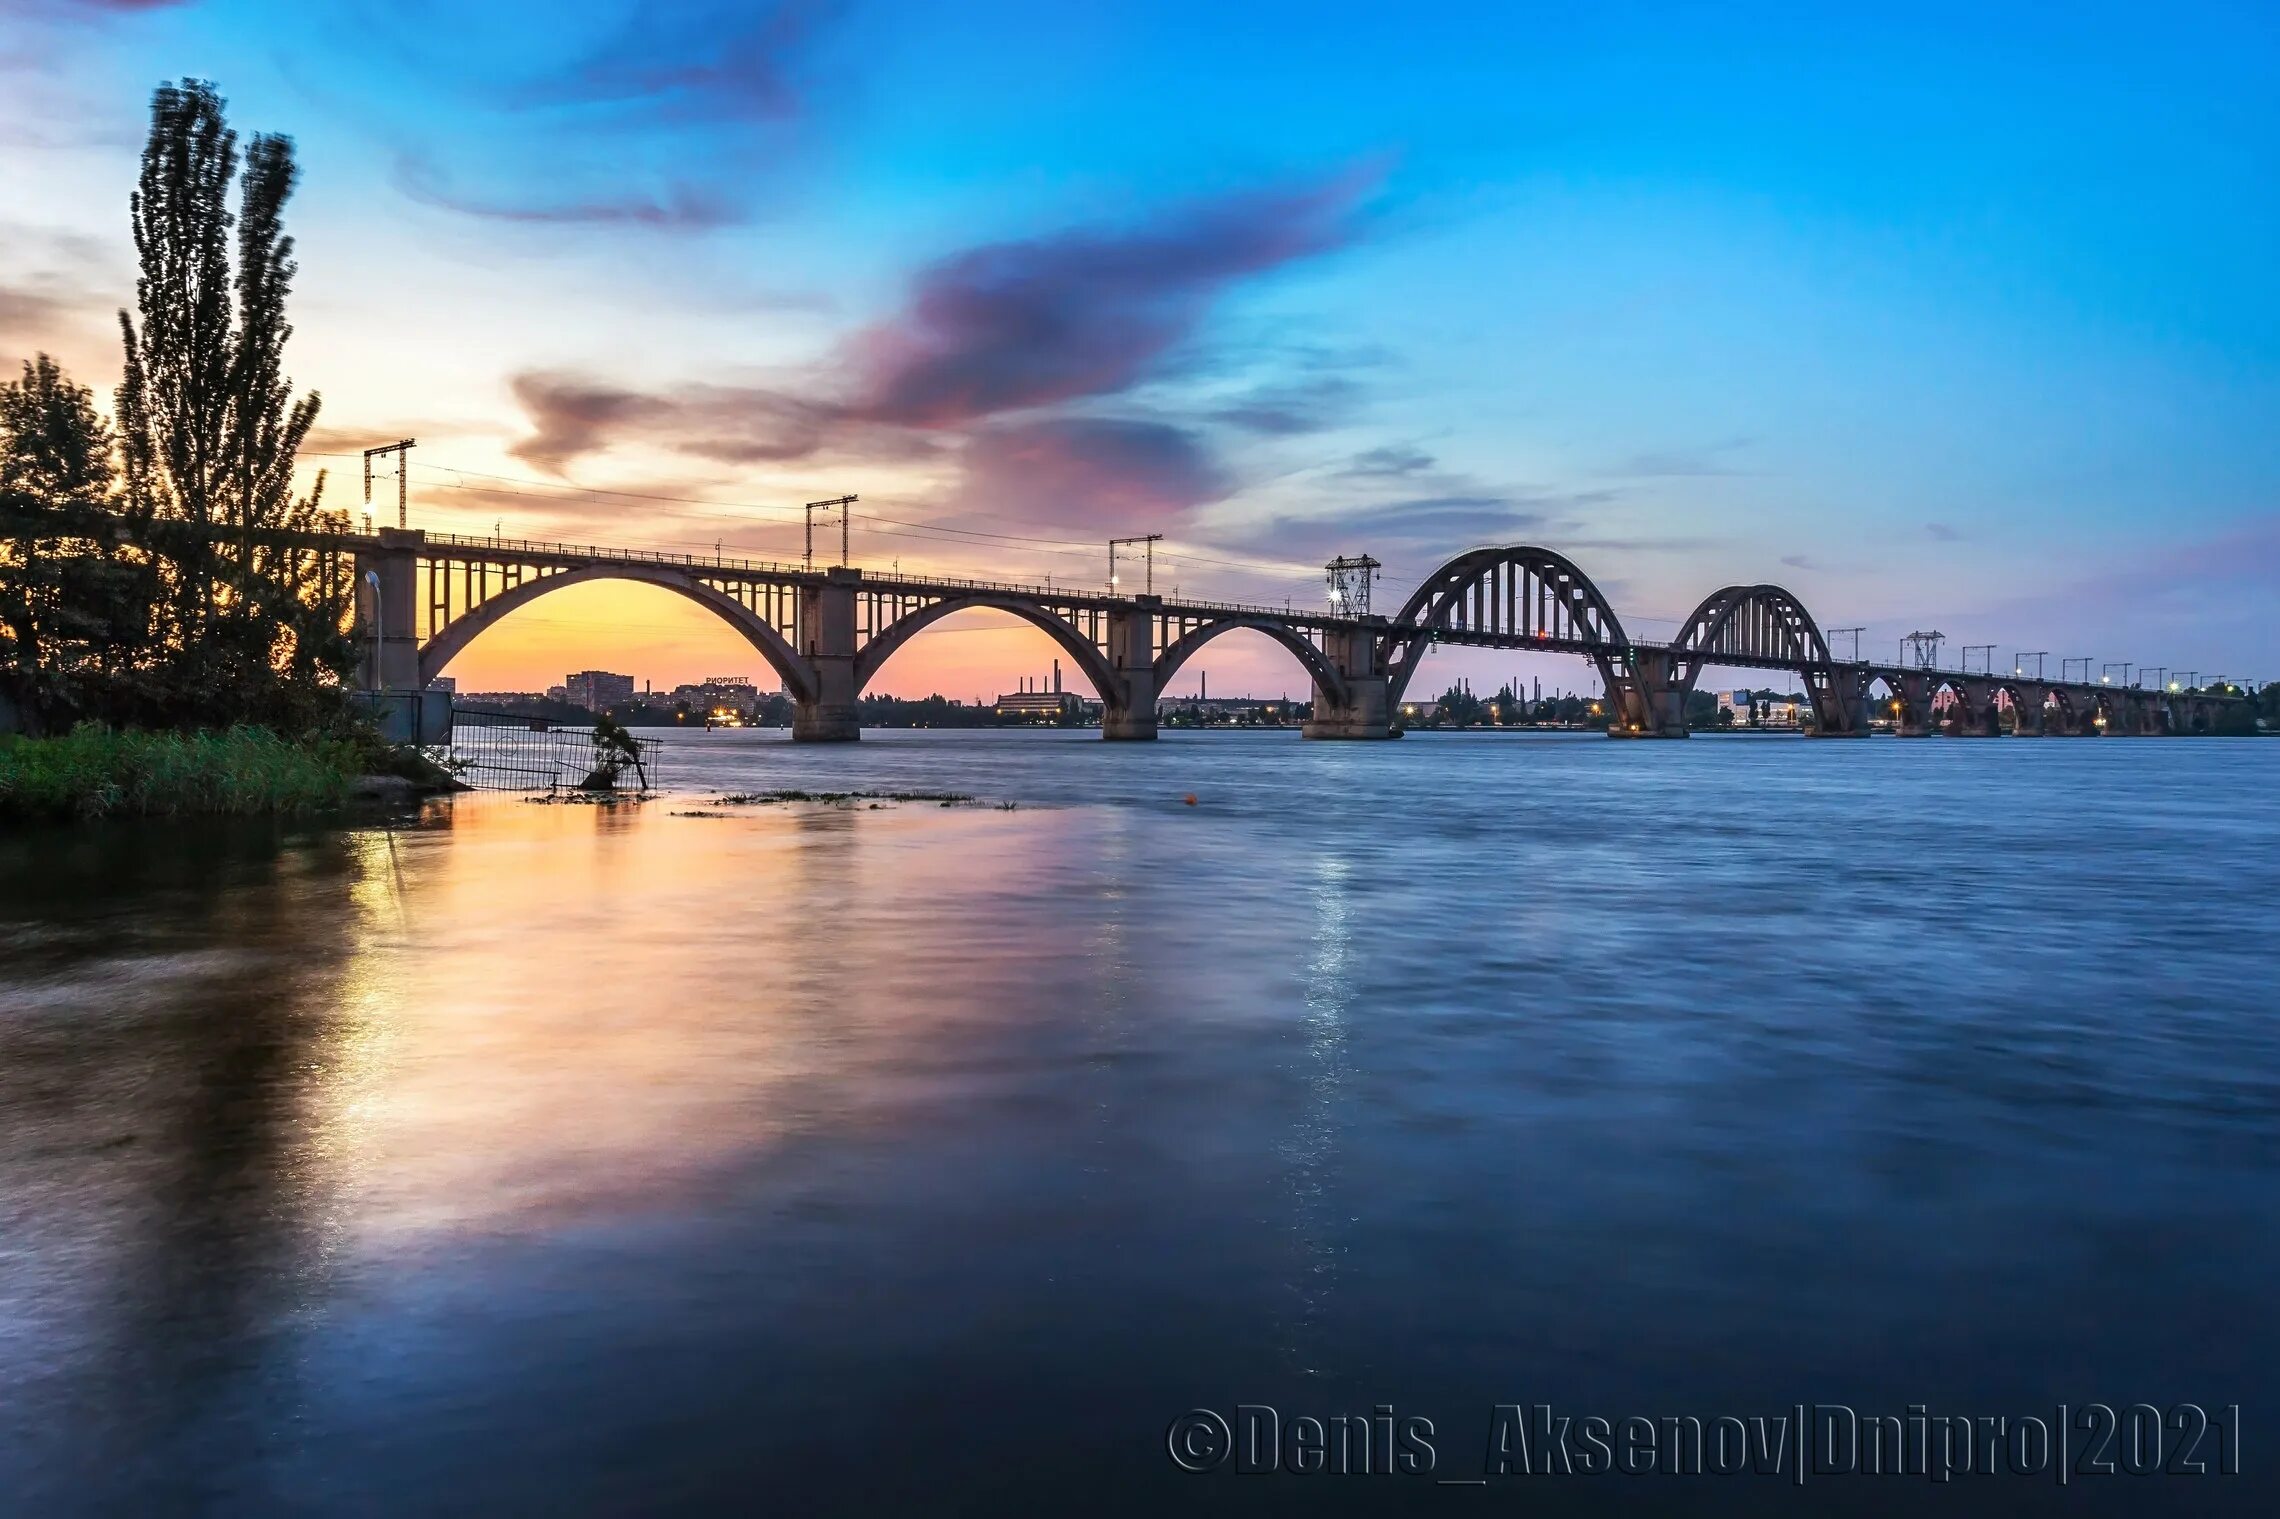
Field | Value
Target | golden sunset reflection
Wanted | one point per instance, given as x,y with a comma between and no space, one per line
557,1011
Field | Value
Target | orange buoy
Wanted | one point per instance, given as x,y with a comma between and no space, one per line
1191,799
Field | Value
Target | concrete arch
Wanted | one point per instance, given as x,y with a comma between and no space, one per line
1883,697
2115,705
1325,674
1973,706
463,630
1088,656
2020,693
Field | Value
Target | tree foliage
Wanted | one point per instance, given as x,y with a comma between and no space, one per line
157,578
75,598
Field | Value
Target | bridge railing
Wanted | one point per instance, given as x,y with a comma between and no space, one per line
1077,593
594,551
775,567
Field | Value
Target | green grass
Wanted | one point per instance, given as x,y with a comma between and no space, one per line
100,772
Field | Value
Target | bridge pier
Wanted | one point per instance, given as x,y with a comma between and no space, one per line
1130,714
1364,709
387,612
1366,713
1974,711
2027,703
1651,702
827,637
1840,703
1914,694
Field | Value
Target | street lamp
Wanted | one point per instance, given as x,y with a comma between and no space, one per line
372,579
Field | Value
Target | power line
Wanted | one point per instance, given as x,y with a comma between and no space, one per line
884,526
940,531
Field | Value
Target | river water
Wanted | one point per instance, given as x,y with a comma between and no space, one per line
911,1158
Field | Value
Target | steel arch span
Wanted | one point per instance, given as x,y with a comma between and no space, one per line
446,644
1754,623
1766,625
1518,596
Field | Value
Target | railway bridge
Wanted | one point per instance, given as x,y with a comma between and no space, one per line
423,597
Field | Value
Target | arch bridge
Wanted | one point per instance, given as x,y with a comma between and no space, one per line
826,632
422,598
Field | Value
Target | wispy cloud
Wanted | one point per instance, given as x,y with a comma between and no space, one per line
1442,513
29,311
999,360
1084,313
66,9
660,116
38,33
1391,459
675,206
2201,598
1087,473
1291,408
674,60
572,416
47,299
1005,328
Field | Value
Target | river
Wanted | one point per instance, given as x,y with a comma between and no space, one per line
918,1158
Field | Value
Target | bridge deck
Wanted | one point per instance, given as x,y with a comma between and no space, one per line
465,549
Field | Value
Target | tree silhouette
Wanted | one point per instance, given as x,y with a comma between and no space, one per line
209,427
74,597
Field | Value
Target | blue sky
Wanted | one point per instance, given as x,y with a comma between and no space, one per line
1938,315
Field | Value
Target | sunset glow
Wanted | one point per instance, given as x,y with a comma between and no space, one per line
1924,327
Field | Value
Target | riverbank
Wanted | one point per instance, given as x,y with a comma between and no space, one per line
94,773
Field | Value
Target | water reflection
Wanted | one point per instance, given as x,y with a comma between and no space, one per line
168,1019
552,1157
1310,1149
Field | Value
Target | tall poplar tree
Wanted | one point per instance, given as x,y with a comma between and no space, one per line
209,426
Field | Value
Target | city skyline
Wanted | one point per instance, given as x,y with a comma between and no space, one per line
1935,322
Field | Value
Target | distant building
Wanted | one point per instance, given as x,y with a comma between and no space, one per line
597,690
1041,706
1042,700
719,693
557,693
1206,710
444,683
1770,712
